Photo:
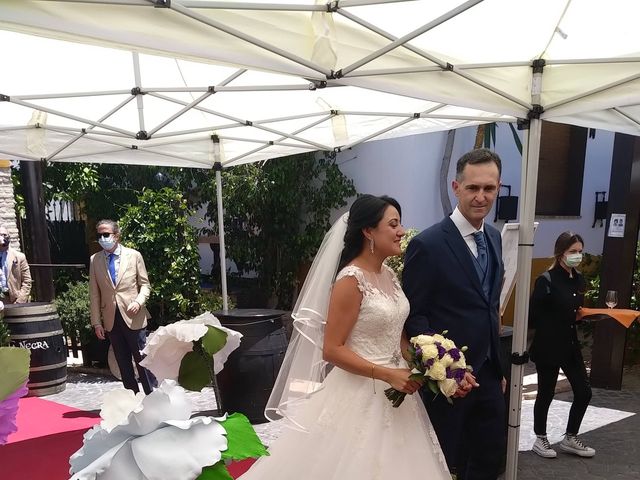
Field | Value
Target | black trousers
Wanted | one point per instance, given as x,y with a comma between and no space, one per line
127,344
472,430
576,373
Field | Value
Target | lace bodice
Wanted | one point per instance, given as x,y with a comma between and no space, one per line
383,311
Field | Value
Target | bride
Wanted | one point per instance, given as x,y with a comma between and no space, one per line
343,426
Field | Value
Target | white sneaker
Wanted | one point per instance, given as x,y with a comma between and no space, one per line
542,447
571,444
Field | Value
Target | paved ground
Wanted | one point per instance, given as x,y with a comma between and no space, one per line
611,425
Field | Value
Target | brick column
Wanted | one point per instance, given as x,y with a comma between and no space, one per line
8,203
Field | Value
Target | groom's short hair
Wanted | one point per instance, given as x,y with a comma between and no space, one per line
475,157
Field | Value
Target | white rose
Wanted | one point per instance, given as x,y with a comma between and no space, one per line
429,352
438,371
459,364
446,360
448,387
448,344
422,340
438,338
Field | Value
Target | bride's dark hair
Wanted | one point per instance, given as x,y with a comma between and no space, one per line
366,211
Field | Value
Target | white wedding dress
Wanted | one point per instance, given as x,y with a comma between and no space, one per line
354,433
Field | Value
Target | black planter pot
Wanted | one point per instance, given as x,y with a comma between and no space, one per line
94,353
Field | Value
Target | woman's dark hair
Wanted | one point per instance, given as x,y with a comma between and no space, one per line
366,211
563,242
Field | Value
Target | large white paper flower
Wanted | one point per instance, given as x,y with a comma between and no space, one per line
156,440
170,343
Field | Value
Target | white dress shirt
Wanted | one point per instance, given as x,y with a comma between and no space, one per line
466,230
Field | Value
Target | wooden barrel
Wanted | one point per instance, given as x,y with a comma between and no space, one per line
250,372
36,326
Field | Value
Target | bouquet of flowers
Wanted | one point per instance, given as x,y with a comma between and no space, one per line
436,361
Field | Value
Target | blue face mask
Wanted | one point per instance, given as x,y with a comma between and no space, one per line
107,243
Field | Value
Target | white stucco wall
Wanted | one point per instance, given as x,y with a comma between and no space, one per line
408,169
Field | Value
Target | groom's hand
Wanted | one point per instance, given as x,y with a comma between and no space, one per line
468,383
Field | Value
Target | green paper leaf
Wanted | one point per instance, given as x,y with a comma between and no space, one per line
194,372
217,471
213,340
242,439
14,365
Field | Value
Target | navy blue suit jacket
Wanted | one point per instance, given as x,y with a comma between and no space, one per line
445,292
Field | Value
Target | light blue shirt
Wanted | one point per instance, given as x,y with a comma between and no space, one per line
5,271
116,259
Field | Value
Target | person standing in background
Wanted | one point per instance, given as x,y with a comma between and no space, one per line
119,287
557,296
15,277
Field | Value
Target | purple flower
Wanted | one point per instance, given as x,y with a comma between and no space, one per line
455,354
441,350
428,364
458,374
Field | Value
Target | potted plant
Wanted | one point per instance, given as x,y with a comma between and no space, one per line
73,307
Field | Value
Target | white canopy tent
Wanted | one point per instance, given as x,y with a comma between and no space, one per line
325,75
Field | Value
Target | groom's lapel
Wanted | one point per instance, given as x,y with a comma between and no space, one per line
461,251
497,278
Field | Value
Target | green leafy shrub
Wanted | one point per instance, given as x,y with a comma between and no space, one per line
73,307
210,301
276,214
158,227
4,334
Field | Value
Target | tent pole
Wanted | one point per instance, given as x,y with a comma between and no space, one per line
223,256
519,356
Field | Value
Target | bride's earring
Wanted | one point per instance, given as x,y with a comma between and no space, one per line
371,244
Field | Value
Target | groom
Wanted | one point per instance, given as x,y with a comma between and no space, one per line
452,277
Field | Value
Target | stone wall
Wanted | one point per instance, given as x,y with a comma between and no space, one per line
8,203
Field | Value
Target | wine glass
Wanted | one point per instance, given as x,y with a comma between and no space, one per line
611,299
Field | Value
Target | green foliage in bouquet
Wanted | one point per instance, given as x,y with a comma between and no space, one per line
397,263
73,307
158,227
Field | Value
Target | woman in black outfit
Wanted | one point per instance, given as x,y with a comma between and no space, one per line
557,296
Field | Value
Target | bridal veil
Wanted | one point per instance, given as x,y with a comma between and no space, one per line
303,369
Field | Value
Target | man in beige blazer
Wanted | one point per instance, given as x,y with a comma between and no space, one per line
15,277
119,287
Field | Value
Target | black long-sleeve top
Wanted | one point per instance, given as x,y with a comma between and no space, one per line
552,313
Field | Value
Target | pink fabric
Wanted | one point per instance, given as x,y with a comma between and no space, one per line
38,417
8,411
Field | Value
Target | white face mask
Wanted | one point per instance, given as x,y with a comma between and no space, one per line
573,259
107,243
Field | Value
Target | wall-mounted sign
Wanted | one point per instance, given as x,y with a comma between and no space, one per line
616,225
